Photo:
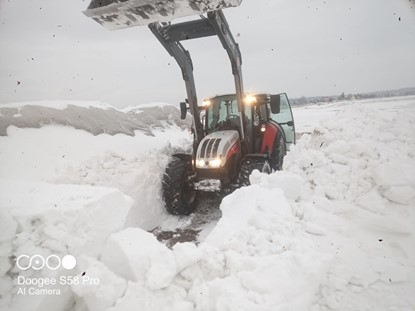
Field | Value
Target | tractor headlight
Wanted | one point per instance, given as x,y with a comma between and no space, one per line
215,163
200,163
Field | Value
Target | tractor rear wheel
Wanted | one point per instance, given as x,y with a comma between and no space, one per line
249,165
278,154
178,193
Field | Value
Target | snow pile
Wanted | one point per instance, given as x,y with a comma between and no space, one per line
98,297
46,219
268,260
60,154
94,117
258,257
137,175
359,173
57,104
37,216
360,156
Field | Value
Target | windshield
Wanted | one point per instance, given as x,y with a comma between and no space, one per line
222,110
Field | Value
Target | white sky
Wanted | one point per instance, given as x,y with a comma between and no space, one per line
302,47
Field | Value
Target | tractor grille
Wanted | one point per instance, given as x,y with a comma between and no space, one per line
210,148
215,148
203,151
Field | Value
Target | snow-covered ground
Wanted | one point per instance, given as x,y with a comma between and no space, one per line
333,231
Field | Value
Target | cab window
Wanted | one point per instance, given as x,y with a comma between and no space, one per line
219,111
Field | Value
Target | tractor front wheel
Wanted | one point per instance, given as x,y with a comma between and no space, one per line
178,193
249,165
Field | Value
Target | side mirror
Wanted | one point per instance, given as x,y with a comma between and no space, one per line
183,110
275,104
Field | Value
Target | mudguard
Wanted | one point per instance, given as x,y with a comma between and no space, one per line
271,132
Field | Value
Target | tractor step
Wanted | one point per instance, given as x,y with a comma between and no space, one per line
116,14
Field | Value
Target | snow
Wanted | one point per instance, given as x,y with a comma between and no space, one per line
356,166
62,214
332,231
402,195
186,255
132,164
59,104
136,255
101,296
45,219
140,107
64,155
268,259
95,118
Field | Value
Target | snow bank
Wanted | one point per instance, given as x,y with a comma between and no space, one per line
45,219
258,257
358,156
98,297
139,108
268,261
59,104
76,220
132,164
136,255
358,202
93,117
135,174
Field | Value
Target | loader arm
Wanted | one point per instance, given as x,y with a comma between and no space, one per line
183,59
170,37
157,14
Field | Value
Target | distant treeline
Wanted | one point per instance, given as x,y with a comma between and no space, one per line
333,98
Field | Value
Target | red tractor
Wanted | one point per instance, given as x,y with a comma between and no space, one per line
233,134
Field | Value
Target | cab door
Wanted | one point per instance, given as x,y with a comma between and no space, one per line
285,118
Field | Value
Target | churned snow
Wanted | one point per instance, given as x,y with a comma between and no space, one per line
333,231
44,219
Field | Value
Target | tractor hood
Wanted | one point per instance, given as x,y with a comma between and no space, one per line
216,148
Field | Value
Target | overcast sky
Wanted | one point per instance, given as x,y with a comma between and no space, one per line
50,50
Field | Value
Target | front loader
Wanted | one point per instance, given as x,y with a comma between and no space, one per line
234,134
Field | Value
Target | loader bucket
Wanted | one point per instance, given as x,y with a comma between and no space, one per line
117,14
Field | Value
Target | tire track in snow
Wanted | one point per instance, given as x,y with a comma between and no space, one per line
195,227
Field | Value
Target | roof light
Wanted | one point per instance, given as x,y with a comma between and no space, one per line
249,99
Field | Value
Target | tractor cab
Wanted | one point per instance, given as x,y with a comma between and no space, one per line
222,113
269,130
